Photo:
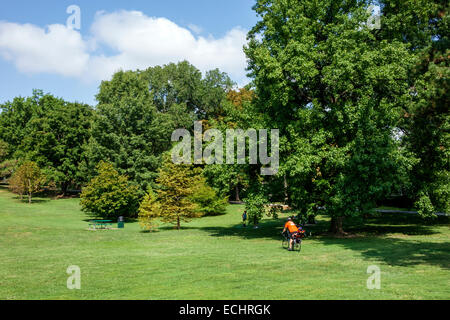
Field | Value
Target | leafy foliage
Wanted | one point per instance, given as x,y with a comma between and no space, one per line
28,179
335,91
209,203
177,185
149,211
109,194
7,168
49,131
3,150
426,119
138,111
255,205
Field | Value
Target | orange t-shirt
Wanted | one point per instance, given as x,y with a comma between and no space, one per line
291,227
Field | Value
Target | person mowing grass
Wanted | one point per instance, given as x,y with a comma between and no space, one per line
292,231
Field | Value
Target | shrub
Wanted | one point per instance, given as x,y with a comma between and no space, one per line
255,206
209,203
109,194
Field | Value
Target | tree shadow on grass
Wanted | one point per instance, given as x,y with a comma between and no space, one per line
368,237
397,252
33,200
374,226
402,223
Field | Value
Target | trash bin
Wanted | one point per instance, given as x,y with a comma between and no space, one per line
120,223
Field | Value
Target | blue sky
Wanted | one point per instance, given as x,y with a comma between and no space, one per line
38,50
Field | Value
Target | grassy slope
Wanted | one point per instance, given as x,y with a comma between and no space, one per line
213,258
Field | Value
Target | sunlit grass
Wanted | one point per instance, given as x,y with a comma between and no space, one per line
215,258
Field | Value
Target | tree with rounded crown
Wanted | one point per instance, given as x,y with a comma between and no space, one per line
28,179
109,194
336,91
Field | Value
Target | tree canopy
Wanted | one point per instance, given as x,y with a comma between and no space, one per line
336,92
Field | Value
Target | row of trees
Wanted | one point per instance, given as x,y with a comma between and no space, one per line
362,114
130,127
182,194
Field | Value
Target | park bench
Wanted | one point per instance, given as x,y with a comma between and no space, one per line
100,224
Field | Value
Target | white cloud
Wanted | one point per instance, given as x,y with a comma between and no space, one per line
55,49
138,41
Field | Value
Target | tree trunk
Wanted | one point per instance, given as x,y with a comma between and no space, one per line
29,198
237,193
64,187
285,185
336,225
178,223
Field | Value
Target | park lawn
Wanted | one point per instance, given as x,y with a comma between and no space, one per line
215,258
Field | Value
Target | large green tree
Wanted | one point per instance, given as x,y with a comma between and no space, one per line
138,111
424,25
49,131
335,91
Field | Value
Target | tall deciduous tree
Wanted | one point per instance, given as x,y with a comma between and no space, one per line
57,141
425,27
49,131
335,91
139,110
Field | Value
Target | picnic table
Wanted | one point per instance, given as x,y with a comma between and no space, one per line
100,224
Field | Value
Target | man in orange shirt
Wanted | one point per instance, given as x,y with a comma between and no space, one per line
292,230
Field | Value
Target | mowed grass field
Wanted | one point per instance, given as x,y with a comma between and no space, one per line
215,258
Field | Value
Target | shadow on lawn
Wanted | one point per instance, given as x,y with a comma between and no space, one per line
375,226
33,200
368,237
397,252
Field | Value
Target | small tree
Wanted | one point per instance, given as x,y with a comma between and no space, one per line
177,183
255,206
28,179
109,194
149,211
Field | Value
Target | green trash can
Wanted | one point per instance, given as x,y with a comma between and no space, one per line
120,223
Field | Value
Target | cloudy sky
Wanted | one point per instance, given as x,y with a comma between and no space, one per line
39,49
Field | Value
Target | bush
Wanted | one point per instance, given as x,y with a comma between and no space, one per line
209,203
109,195
424,206
255,205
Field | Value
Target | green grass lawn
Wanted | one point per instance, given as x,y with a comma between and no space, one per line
215,258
